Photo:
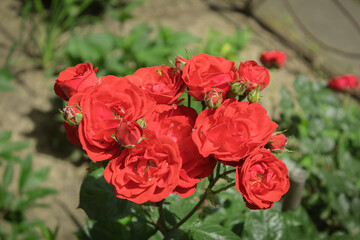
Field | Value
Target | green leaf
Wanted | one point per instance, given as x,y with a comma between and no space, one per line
5,198
39,193
98,200
230,213
265,225
46,232
109,230
8,147
177,234
208,231
7,175
174,213
5,80
35,178
141,228
25,172
5,136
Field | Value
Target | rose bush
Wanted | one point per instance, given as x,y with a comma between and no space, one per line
153,147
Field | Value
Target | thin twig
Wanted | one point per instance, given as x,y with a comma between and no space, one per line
149,215
161,220
224,188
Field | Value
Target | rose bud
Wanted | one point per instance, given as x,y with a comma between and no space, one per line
237,89
273,59
213,99
254,96
128,134
72,115
344,83
277,143
142,123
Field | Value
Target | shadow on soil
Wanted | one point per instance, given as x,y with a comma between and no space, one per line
50,134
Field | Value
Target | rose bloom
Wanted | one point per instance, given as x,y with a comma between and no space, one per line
254,75
232,131
344,83
278,143
104,107
149,172
262,179
273,59
75,79
177,122
204,73
163,83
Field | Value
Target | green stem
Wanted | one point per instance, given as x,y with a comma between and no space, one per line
203,197
161,221
224,188
189,100
148,214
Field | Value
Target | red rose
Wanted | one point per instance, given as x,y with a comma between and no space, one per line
163,83
344,83
128,134
149,172
104,107
204,73
177,122
278,143
273,59
262,179
232,131
254,75
75,79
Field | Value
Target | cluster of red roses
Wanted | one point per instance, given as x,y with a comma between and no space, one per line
157,146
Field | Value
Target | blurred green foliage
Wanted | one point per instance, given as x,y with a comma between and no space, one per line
121,56
325,139
20,190
50,19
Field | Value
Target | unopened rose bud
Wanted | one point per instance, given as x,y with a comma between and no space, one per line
128,134
277,143
72,115
213,99
237,89
254,96
142,123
